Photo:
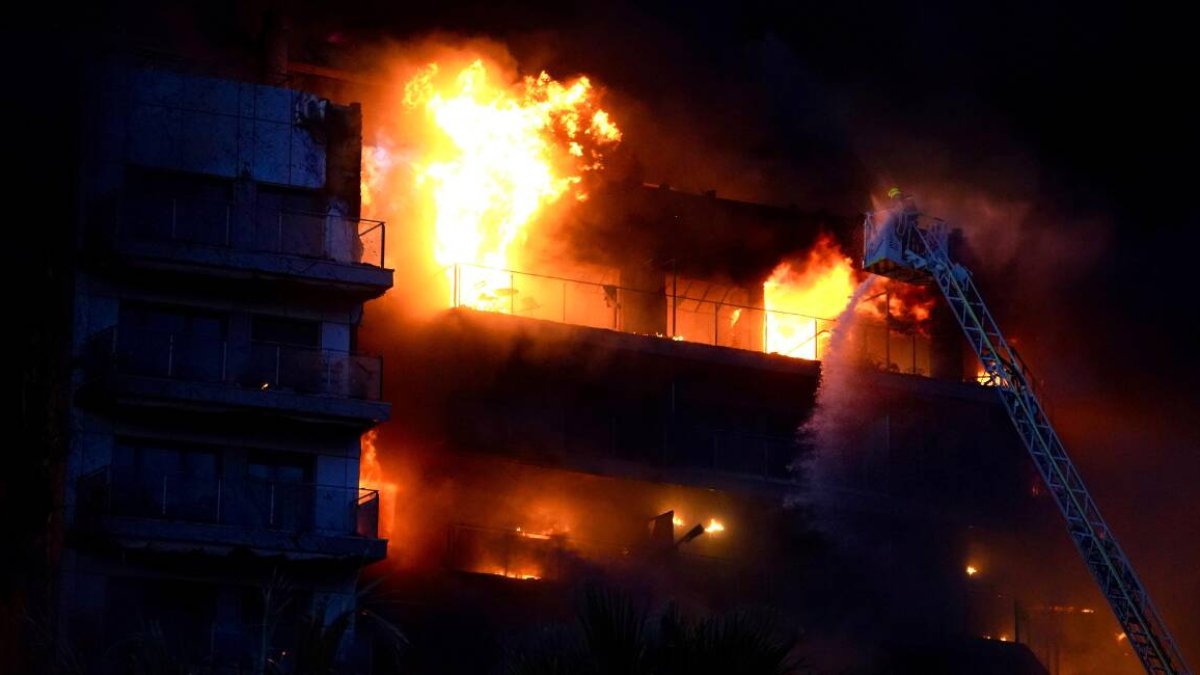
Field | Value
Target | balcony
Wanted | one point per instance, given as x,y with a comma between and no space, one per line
686,311
143,367
227,240
219,515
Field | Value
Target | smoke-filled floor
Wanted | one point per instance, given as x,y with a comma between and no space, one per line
529,461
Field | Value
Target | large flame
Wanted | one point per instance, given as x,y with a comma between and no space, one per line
802,298
497,154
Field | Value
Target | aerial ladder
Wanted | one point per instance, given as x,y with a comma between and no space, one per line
905,245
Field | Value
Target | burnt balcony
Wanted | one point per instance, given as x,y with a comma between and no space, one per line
143,367
685,311
212,514
328,251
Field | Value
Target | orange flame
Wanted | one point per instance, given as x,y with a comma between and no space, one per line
802,298
371,477
497,154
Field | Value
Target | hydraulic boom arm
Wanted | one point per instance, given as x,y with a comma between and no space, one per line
903,247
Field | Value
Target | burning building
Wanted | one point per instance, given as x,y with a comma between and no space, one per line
609,387
590,378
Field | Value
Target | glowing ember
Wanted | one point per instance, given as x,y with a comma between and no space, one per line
817,288
714,526
972,570
508,574
497,154
1121,637
534,535
677,521
983,378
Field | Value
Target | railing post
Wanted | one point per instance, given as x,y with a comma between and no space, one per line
224,360
455,282
220,486
164,496
279,232
674,297
564,301
170,355
328,380
716,324
271,509
382,243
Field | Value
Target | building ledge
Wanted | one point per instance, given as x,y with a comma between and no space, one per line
212,539
500,328
360,281
138,390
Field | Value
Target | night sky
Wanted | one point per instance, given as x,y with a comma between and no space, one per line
1062,131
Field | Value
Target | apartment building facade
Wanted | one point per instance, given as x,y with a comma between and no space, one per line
212,491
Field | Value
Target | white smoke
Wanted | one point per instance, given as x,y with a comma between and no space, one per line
838,416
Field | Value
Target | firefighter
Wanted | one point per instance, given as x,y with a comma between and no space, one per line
904,210
902,202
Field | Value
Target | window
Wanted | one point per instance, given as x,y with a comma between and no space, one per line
175,342
279,487
162,479
176,206
172,319
283,331
292,222
283,467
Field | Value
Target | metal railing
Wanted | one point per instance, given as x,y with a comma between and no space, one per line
247,365
243,227
681,317
246,502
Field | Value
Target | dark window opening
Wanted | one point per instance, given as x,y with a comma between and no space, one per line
175,342
283,331
177,206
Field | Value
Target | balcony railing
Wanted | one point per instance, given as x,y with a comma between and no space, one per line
246,503
681,317
241,227
246,365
